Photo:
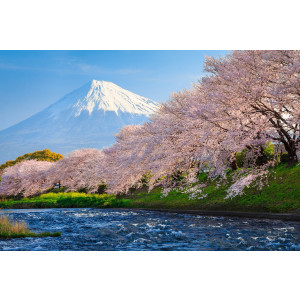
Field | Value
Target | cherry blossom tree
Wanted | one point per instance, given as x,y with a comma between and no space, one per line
263,88
122,165
26,178
80,170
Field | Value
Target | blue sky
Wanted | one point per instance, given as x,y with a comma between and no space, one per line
32,80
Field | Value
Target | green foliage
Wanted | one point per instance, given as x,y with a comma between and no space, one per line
6,235
268,152
178,176
44,155
240,158
101,188
145,179
202,177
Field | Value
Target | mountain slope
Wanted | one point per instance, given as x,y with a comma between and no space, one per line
87,117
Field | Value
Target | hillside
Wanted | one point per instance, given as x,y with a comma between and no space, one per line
281,194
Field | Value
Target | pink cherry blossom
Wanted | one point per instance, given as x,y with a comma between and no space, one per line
27,178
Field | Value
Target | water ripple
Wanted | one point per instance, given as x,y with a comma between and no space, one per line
102,230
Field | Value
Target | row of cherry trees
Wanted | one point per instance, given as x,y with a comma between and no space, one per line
246,99
77,171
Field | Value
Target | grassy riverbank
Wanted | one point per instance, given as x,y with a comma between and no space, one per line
64,200
13,229
281,195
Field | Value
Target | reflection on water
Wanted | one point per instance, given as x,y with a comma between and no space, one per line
97,229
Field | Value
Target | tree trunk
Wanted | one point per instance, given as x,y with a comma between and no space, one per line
262,158
290,148
233,165
292,157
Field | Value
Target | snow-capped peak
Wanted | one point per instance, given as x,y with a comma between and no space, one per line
88,117
106,96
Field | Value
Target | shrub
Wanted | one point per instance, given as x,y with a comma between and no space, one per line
101,188
43,155
145,179
10,228
240,158
269,151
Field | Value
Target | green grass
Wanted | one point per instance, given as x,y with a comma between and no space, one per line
64,200
281,195
10,228
6,235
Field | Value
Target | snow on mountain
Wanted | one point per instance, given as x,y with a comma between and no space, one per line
85,118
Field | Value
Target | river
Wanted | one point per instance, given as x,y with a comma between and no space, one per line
122,230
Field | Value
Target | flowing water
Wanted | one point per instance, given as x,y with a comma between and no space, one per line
119,229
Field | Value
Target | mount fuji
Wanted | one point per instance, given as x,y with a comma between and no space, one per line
88,117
